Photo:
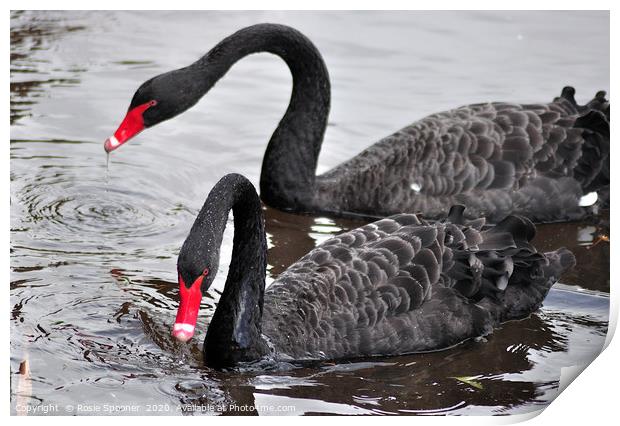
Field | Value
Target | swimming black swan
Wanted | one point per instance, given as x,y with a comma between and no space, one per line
495,158
395,286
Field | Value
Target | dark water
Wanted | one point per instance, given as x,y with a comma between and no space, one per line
93,250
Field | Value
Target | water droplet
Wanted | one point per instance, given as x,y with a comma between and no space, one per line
107,169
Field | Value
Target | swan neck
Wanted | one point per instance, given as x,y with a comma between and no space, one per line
289,165
234,333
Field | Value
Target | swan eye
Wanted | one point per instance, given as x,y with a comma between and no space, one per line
205,272
153,102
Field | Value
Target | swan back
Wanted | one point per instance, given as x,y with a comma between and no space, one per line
403,284
496,158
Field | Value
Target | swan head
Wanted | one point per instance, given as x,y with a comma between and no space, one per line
192,286
196,273
189,305
197,265
156,100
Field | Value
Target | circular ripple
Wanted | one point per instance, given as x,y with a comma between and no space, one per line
99,215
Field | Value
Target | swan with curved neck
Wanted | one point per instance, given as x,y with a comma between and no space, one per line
399,285
496,158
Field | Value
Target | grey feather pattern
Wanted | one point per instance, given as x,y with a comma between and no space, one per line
496,159
404,284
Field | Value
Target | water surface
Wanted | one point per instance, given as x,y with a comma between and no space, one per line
93,250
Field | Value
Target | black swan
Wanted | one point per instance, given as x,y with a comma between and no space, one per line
399,285
495,158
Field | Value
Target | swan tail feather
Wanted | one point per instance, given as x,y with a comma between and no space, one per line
592,169
598,103
504,272
532,277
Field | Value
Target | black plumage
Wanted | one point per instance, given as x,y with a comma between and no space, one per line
399,285
495,158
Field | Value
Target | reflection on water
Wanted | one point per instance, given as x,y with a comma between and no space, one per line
94,245
31,33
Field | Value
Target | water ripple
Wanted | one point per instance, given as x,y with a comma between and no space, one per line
92,213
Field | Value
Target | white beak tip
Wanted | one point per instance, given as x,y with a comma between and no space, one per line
111,144
183,332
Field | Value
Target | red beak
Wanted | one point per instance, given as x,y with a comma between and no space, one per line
132,124
187,315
